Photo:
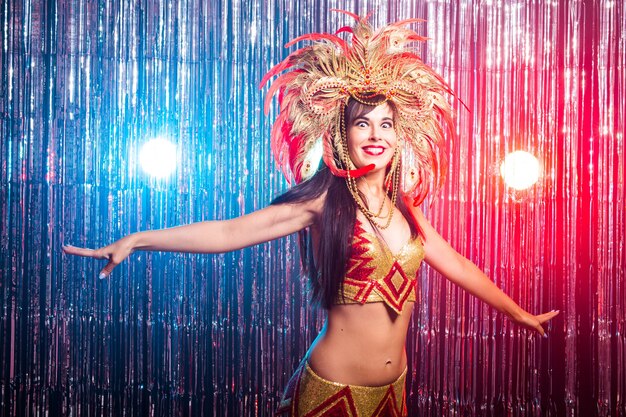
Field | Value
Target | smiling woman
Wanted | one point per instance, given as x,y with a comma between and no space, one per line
363,235
371,136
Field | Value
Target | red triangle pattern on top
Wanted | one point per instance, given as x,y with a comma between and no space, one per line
358,262
361,268
396,296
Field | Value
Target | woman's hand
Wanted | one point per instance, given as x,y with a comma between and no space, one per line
534,322
115,253
210,236
462,272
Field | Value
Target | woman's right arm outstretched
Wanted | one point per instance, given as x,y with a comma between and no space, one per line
210,236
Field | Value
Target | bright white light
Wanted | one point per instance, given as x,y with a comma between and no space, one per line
520,170
158,157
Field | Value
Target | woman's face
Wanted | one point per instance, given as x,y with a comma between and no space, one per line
372,138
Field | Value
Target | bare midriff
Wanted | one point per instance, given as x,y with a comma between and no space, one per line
361,344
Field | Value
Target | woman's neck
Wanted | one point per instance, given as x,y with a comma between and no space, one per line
373,184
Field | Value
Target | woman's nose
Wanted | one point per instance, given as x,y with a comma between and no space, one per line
375,134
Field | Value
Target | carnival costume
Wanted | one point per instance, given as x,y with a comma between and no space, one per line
372,67
373,274
309,395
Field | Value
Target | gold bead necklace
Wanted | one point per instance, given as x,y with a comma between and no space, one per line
393,175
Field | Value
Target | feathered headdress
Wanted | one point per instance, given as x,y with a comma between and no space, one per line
324,75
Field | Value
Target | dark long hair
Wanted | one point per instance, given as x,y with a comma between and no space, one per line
327,267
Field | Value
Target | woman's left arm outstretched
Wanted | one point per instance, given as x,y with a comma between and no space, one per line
464,273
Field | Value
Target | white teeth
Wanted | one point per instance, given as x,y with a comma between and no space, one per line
374,150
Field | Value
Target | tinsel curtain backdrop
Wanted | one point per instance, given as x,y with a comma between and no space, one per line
85,84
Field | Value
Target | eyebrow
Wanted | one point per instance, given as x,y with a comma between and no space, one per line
364,117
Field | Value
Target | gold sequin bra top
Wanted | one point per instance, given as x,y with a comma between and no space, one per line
374,274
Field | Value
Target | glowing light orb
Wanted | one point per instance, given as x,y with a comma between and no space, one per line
158,157
520,170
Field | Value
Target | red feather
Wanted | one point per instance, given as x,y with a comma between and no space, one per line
276,137
294,147
319,36
417,38
274,70
352,15
280,82
289,98
283,65
281,95
407,21
344,29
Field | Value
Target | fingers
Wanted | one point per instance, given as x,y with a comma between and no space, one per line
547,316
541,331
102,253
89,253
535,322
72,250
106,271
542,318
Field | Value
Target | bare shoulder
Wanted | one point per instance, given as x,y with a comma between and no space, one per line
307,211
277,220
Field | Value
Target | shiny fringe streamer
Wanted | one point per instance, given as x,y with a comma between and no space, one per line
85,84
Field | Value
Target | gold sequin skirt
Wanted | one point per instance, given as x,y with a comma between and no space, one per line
309,395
